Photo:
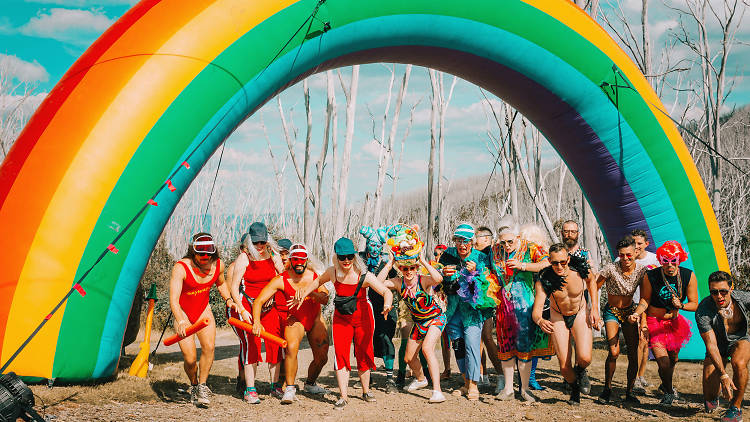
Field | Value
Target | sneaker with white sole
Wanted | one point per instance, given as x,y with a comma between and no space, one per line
437,397
289,393
416,385
202,395
316,389
251,395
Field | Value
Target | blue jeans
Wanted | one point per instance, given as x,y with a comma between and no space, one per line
469,365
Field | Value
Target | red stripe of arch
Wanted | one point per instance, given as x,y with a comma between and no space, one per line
38,123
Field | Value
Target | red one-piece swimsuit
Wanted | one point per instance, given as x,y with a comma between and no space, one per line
194,296
307,312
358,326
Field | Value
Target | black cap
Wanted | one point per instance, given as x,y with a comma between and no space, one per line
285,244
258,232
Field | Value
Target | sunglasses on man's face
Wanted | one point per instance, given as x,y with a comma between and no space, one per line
559,263
345,257
203,254
668,261
716,292
412,268
462,241
260,243
505,242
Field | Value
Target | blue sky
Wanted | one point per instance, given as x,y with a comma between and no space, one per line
40,40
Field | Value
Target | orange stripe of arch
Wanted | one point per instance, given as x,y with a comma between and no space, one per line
49,160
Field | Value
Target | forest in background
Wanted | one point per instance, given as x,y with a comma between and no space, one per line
689,68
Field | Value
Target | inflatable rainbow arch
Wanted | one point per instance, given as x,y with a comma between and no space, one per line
169,81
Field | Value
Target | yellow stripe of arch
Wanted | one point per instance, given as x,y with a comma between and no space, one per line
581,23
83,191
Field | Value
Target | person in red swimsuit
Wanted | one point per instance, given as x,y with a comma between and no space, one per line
351,278
253,270
305,319
189,288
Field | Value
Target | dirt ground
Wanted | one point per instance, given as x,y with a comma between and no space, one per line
161,396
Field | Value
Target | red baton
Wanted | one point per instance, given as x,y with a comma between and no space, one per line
199,325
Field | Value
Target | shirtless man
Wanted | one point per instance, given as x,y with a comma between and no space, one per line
722,321
565,282
300,320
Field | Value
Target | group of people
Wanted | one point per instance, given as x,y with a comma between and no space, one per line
539,299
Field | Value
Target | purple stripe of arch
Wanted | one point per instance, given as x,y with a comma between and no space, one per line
596,170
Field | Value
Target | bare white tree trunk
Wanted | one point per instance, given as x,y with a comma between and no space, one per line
320,166
384,153
351,107
397,162
431,165
279,176
444,103
307,222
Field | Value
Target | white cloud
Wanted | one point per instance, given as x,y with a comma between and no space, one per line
372,149
84,3
660,27
72,26
22,70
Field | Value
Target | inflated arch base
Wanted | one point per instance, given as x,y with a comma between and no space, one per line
170,74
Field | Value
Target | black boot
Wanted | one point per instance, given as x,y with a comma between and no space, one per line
575,388
575,394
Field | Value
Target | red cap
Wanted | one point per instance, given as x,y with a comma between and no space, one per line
298,251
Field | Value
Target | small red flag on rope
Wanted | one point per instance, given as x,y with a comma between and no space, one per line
113,249
185,163
79,289
170,186
47,318
152,202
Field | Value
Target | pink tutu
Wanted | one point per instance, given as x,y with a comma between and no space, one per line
671,334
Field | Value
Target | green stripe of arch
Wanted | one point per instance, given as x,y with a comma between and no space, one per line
119,206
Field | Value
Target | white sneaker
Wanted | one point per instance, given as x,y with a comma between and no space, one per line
289,392
500,384
416,385
484,381
316,389
437,397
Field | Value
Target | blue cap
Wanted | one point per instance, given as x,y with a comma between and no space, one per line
258,232
285,244
464,231
344,246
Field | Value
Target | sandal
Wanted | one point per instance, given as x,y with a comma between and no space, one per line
473,395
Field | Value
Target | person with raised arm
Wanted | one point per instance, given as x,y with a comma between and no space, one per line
663,295
189,289
353,318
470,286
306,319
417,294
519,340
